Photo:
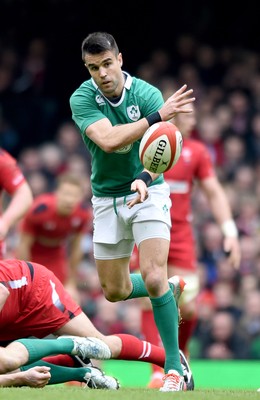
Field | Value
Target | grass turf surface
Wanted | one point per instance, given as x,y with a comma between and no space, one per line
77,393
244,375
214,380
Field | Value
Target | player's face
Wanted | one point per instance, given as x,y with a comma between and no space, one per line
68,197
105,69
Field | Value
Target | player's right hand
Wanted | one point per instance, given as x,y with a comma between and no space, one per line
37,377
142,192
175,103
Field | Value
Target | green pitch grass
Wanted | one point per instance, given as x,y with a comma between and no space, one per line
214,380
244,375
77,393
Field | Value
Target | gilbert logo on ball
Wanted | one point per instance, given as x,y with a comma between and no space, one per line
160,147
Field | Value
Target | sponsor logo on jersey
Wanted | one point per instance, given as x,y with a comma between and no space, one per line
50,225
100,100
180,187
125,149
75,222
133,112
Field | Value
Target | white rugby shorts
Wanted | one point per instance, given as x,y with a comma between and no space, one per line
117,228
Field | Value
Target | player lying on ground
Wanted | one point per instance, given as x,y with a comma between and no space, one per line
47,372
33,302
65,368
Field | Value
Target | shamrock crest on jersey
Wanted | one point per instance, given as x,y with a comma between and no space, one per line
133,112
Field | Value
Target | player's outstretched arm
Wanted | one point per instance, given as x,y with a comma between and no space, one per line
18,206
36,377
221,210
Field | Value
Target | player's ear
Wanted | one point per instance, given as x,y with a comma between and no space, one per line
120,59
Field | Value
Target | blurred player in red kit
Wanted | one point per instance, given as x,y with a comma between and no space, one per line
14,185
194,165
51,231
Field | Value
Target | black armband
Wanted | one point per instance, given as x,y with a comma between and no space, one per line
153,118
145,177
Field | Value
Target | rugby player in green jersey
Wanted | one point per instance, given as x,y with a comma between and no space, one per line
112,110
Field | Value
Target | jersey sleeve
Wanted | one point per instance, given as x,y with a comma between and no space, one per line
84,109
11,176
35,217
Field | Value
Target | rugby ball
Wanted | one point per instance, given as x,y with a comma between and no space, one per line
160,147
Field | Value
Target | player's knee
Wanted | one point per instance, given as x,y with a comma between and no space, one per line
153,283
114,294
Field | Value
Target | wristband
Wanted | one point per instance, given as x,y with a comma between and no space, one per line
145,177
229,229
153,118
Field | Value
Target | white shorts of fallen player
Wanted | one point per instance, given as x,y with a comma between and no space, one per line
117,228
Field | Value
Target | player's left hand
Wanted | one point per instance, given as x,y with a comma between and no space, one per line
232,248
142,192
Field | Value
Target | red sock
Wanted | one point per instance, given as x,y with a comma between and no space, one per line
139,350
150,332
63,360
186,329
149,328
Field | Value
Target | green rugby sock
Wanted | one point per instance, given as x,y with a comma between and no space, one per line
166,317
139,289
39,348
60,374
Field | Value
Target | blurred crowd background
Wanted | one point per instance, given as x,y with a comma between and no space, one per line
39,69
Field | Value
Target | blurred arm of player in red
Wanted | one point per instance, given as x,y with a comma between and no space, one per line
17,192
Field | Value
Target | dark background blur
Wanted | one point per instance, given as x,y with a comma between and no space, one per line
139,28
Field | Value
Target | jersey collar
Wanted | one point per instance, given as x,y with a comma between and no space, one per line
127,85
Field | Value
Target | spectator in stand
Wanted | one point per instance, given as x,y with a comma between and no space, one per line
14,185
235,154
52,230
69,141
250,321
223,341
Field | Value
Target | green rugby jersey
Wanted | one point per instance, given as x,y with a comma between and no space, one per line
113,173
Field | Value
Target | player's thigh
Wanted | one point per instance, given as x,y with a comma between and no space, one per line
152,239
114,278
112,262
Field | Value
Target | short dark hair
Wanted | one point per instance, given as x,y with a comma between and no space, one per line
98,42
69,178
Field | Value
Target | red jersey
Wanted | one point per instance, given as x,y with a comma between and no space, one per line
37,305
194,164
45,224
11,177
